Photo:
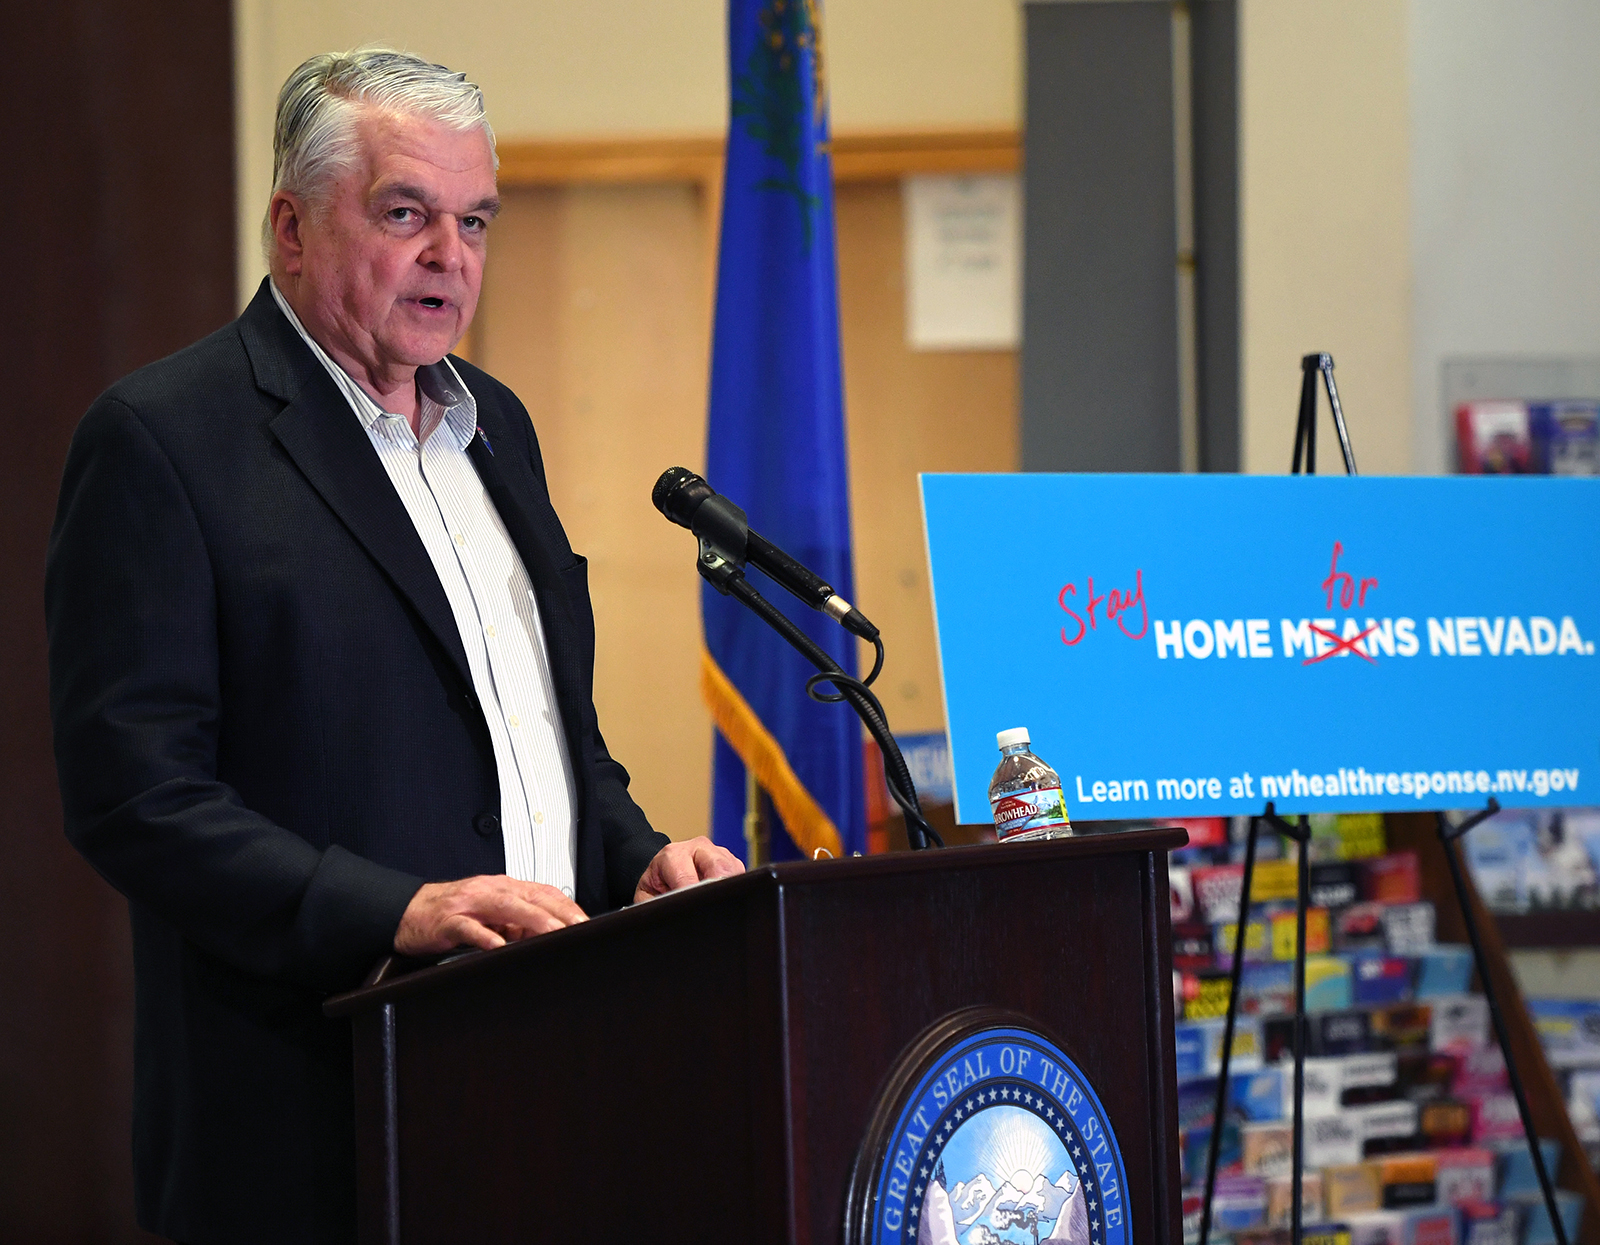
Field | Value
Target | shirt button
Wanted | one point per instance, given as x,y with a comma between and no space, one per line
539,817
489,631
461,540
567,891
514,721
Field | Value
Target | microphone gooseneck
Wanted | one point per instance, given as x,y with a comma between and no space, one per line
726,545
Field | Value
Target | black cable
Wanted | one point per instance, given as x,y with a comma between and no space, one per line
920,834
910,806
877,643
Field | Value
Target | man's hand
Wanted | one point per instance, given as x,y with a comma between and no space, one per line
680,864
486,911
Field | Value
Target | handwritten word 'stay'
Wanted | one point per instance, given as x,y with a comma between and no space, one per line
1119,607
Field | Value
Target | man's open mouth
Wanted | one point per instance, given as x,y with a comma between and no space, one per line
432,302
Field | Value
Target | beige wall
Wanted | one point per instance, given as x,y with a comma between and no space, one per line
579,68
1325,224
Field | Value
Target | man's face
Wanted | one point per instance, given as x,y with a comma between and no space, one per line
389,266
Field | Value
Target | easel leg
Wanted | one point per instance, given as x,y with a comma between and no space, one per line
1220,1107
1448,834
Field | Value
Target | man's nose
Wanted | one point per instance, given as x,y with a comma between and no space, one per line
443,251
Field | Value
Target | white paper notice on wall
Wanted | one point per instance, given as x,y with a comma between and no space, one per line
963,262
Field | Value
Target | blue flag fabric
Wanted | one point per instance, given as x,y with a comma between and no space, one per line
776,439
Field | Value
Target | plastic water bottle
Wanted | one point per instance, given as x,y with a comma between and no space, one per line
1026,794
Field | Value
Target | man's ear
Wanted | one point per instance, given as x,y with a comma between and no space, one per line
287,214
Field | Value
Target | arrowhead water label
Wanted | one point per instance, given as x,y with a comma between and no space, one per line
1026,794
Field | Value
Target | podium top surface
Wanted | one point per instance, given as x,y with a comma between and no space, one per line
467,964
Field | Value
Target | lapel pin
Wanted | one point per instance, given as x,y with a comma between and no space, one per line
484,437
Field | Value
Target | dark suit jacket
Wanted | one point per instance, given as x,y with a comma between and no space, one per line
268,738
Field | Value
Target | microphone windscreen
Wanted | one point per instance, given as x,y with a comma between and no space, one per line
679,493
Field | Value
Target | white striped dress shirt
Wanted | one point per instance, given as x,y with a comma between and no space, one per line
495,611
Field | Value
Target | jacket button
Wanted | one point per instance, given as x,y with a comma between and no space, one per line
486,824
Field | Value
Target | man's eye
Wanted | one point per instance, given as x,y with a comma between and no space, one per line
401,215
475,224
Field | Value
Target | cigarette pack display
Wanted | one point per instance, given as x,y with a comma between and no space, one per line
1566,437
1444,969
1380,978
1325,1234
1392,879
1285,926
1327,984
1431,1226
1464,1175
1239,1202
1569,1030
1514,1165
1258,1096
1375,1068
1216,892
1386,1121
1446,1122
1279,1199
1194,1204
1495,1118
1407,1180
1266,989
1265,1148
1489,1223
1196,1147
1197,1100
1496,851
1246,1055
1321,1084
1336,1033
1205,993
1257,943
1359,927
1263,1236
1334,884
1191,946
1494,438
1180,885
1352,1189
1403,1026
1408,928
1424,1076
1332,1140
1480,1071
1377,1227
1275,880
1536,1226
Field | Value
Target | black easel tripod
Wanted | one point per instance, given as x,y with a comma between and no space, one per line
1305,439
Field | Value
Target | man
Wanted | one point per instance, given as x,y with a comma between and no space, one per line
322,659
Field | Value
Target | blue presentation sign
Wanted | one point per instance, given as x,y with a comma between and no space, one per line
1201,644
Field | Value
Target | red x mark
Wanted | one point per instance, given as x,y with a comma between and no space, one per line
1340,646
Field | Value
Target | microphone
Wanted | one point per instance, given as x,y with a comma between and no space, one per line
690,502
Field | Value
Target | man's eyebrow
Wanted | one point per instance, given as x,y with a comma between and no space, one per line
489,206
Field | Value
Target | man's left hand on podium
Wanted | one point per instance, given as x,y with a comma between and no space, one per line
683,864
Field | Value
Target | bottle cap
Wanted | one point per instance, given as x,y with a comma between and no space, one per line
1009,739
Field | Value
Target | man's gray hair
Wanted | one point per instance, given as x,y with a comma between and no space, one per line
314,140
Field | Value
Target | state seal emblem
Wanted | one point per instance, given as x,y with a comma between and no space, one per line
986,1132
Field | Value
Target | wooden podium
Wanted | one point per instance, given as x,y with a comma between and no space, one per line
707,1066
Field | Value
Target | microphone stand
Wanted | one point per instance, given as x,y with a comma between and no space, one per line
725,573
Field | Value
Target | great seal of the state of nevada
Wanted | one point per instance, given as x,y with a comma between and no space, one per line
1000,1139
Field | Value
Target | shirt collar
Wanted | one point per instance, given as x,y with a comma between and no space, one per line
441,389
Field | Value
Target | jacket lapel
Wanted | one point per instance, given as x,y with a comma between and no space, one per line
318,430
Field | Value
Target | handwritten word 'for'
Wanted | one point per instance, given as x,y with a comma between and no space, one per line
1119,608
